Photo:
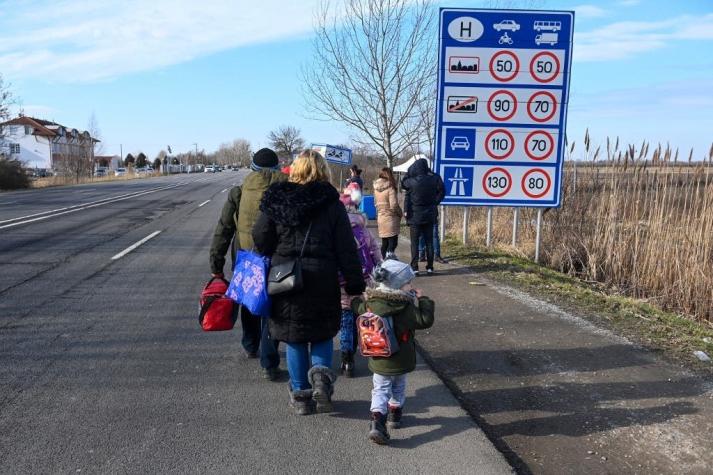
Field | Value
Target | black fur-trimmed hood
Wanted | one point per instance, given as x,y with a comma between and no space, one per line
291,204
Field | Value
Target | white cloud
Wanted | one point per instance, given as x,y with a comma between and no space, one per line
72,40
625,39
589,11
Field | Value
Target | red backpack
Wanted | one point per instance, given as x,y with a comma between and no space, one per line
376,335
217,311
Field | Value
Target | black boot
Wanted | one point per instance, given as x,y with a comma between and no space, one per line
301,401
377,429
322,380
393,419
347,364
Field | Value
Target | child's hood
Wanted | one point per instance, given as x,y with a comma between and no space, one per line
356,219
384,301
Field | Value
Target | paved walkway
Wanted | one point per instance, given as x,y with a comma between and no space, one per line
556,393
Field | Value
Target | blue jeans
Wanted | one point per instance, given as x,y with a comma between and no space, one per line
256,338
436,243
388,391
302,356
348,332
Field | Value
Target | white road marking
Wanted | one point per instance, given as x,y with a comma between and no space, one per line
135,245
224,190
204,203
80,207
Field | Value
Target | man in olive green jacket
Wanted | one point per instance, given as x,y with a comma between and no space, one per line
234,231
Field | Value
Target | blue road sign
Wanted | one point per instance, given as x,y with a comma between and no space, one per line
504,80
334,154
460,143
458,181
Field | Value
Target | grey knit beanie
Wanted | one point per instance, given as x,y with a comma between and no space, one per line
393,274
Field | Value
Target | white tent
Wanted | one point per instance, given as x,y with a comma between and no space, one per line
403,168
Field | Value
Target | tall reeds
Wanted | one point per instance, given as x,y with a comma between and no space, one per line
639,222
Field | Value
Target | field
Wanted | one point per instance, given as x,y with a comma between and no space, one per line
639,226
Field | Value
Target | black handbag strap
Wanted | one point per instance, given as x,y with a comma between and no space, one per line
304,244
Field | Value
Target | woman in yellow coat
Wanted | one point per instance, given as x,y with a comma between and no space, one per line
389,212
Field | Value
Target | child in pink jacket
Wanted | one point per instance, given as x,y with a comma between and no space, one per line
370,256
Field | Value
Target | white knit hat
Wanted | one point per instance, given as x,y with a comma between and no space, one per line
393,274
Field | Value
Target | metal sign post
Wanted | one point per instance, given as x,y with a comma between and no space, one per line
466,212
503,88
489,228
515,217
537,235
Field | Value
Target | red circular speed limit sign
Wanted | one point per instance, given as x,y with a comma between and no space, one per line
497,182
542,106
539,145
544,67
536,183
502,105
504,65
499,144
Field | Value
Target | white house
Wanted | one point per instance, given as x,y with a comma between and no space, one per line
44,144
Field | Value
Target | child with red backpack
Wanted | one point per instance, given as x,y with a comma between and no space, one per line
370,257
393,305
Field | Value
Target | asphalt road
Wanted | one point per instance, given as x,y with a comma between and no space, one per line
103,368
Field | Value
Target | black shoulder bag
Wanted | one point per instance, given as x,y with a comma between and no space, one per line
287,277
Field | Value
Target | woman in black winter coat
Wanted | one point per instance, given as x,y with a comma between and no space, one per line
308,320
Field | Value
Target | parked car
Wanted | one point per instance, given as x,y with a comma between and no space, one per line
120,172
101,172
209,169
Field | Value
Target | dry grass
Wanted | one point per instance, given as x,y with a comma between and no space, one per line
62,181
640,224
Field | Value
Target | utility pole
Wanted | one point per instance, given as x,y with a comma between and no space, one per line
196,146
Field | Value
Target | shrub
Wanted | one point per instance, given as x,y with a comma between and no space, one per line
12,176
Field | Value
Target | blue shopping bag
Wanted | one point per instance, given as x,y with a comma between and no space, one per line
248,286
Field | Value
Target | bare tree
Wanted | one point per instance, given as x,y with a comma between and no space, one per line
372,64
286,140
236,152
95,132
6,102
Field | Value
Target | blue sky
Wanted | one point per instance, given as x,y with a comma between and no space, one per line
181,72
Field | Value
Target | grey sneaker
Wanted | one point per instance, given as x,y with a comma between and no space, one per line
322,380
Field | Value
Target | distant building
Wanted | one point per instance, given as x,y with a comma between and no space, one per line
112,162
44,144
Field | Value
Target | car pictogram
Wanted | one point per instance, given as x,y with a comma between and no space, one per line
506,25
460,142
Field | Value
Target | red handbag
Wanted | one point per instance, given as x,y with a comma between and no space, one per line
217,311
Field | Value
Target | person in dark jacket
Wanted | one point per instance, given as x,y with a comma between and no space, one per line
424,191
234,231
307,211
355,177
